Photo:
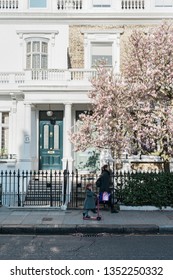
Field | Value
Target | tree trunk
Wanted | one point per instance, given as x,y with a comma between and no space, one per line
166,165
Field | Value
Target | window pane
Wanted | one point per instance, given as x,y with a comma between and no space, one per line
4,127
36,47
28,47
28,62
4,140
101,52
96,59
44,61
102,49
36,61
38,3
44,47
56,137
36,54
46,137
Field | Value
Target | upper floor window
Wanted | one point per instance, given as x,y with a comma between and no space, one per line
101,3
103,45
101,52
37,3
37,54
163,3
4,133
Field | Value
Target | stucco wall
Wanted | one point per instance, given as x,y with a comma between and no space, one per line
13,47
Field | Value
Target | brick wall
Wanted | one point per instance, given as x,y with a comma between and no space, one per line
76,41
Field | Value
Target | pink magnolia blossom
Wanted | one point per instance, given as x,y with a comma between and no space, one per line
133,111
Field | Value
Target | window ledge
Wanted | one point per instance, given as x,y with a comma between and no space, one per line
8,162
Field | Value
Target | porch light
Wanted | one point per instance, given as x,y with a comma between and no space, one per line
49,113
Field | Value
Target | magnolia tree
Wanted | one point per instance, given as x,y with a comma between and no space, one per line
106,127
134,110
148,65
153,131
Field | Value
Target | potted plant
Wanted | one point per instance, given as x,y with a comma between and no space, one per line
3,153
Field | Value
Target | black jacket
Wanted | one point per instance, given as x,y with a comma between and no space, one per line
104,181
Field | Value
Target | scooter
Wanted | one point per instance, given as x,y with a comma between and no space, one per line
98,217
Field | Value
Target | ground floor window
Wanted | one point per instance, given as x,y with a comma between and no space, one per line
88,160
4,133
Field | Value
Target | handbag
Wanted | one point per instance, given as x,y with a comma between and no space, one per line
104,196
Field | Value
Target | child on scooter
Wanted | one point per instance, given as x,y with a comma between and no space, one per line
89,203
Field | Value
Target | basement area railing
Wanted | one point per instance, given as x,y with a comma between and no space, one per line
67,190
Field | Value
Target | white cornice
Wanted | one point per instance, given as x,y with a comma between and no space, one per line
106,31
67,17
37,32
23,34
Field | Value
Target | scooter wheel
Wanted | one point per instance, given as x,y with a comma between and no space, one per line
98,218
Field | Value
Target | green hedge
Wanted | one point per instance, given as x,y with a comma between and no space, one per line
140,189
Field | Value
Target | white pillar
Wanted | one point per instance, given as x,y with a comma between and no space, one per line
67,150
27,133
13,128
67,144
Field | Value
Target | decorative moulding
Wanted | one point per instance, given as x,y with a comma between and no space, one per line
24,34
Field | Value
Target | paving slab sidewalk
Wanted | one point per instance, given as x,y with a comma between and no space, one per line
56,221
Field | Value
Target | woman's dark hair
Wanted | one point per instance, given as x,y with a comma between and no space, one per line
104,167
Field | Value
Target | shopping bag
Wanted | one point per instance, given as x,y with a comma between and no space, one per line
104,196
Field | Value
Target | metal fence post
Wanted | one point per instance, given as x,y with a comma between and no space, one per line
18,188
65,185
0,195
51,201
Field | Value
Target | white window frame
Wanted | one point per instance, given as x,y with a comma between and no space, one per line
107,36
39,53
48,35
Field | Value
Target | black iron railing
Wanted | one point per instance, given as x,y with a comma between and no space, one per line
32,188
61,188
44,188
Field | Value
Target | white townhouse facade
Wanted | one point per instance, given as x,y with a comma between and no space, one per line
47,52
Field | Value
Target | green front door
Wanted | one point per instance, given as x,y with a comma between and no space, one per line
51,144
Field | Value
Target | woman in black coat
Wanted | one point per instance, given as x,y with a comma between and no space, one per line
104,184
